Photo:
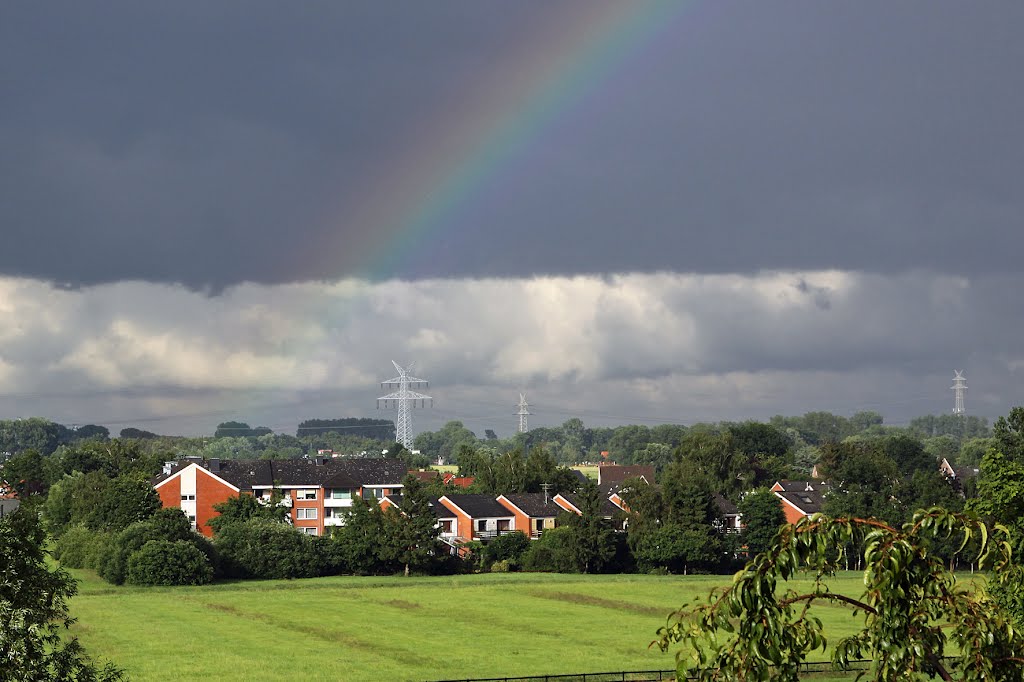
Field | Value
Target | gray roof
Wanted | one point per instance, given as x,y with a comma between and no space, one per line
608,508
441,511
614,473
317,471
535,505
480,506
8,505
807,501
725,507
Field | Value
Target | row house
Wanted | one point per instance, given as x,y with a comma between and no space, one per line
461,518
315,490
479,517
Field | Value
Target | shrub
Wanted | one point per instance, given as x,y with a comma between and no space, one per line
267,549
170,525
160,562
77,547
507,548
551,552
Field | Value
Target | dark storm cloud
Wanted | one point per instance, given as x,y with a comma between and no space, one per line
213,144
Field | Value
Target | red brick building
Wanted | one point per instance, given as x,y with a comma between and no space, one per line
316,490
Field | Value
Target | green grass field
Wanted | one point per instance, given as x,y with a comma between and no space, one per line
349,628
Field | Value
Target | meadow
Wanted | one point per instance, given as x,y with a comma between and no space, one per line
394,628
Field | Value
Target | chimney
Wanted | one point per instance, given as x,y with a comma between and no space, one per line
215,465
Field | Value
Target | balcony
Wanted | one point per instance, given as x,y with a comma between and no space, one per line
491,534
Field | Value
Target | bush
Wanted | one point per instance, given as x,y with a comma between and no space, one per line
160,562
551,552
170,525
78,547
267,549
507,548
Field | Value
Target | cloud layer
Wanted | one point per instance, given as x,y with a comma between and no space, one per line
183,142
649,347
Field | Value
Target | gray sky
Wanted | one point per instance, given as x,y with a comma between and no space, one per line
666,212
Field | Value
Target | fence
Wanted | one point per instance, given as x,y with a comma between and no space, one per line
811,669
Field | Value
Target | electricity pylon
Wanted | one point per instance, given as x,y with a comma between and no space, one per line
959,392
404,399
523,413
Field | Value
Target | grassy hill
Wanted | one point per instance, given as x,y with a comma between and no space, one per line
348,628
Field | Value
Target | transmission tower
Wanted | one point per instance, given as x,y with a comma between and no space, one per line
404,398
523,413
960,392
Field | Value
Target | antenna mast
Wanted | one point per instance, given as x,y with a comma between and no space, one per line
959,392
404,399
523,413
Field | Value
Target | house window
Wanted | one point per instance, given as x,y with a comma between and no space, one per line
503,525
305,494
481,526
341,494
305,514
309,531
372,494
446,527
188,498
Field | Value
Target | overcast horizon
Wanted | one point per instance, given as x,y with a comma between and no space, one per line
650,212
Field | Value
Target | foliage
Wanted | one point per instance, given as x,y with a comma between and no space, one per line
762,515
240,429
34,610
589,540
679,549
160,562
357,542
376,429
552,552
410,534
26,473
241,508
166,524
98,502
508,548
914,610
263,549
80,547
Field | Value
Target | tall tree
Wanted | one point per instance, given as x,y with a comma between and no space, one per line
590,539
762,516
411,533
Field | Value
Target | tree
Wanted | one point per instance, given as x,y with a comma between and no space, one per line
26,473
34,610
590,540
410,533
263,549
913,609
159,562
762,515
245,507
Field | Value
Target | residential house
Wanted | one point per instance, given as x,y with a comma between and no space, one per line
447,520
613,508
479,517
610,474
534,512
729,518
800,498
957,476
457,481
316,490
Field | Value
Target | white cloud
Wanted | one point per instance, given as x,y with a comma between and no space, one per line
708,346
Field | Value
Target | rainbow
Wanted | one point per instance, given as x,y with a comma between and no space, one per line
415,191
